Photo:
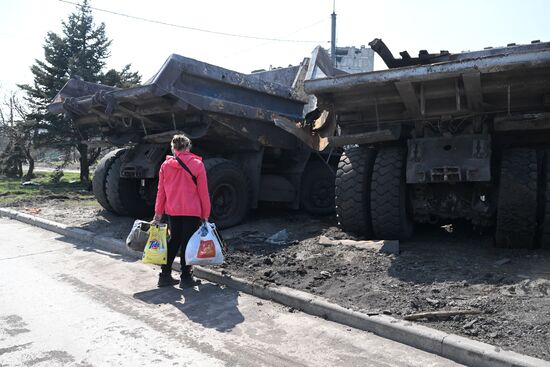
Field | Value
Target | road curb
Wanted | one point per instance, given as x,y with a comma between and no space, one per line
451,346
106,243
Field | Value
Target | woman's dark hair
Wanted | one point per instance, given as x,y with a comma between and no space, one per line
180,142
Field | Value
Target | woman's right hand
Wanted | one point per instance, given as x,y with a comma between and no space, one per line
156,219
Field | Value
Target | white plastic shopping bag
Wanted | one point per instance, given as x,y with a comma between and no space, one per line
204,247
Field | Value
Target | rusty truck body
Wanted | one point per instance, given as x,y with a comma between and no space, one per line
444,136
230,118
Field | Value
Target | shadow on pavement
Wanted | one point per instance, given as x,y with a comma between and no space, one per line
208,304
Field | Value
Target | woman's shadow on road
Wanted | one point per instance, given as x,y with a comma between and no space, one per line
208,304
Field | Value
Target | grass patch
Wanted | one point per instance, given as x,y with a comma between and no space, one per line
69,187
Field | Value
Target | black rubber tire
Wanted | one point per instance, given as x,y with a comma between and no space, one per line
388,196
517,199
112,186
352,190
229,192
545,201
100,176
317,189
123,194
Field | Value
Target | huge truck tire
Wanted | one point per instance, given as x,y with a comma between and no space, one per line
517,199
229,192
123,194
388,196
352,190
112,186
317,189
100,177
545,200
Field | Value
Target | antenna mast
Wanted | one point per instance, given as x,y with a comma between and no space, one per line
333,35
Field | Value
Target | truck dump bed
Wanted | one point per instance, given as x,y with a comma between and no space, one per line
503,81
203,100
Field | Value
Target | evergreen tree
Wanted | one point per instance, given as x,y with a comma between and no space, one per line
87,45
122,79
80,52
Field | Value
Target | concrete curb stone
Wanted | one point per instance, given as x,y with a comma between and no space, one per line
454,347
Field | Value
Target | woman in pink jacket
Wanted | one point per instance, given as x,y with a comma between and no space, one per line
183,196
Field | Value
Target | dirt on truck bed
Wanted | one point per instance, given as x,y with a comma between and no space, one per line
441,268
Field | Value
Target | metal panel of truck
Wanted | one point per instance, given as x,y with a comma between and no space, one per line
203,100
498,81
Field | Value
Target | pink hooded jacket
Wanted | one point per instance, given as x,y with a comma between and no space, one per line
177,193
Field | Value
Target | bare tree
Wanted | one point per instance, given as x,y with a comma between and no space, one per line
19,133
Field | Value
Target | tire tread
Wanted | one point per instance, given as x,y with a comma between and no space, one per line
388,202
517,199
100,176
112,186
352,190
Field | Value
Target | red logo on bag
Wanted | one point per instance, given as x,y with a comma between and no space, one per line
206,249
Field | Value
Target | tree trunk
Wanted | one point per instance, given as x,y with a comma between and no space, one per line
84,164
27,151
30,171
94,155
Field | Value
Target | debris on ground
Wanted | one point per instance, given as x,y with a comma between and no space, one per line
30,183
469,324
279,238
502,262
439,315
386,246
32,210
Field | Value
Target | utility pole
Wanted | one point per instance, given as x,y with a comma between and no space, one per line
333,35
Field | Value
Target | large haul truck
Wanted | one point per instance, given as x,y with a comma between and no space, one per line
230,118
444,136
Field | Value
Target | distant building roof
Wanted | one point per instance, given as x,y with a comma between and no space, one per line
355,60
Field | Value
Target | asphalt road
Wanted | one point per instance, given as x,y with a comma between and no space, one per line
65,304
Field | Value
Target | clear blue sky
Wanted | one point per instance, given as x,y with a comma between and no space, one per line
411,25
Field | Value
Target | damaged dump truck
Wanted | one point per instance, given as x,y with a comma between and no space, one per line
444,136
231,119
